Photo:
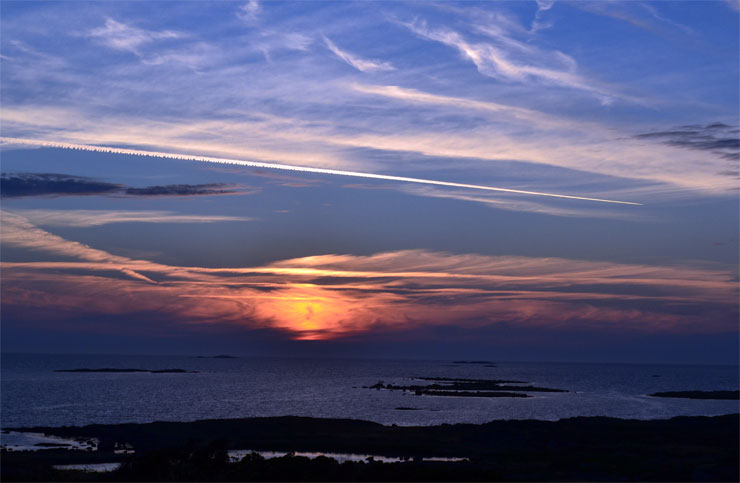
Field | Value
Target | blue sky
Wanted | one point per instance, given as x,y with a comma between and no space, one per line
626,101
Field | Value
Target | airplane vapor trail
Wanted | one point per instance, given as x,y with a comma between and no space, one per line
288,167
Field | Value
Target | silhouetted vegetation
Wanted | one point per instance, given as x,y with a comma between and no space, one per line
594,448
727,395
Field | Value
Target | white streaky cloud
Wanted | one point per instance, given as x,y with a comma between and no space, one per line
120,36
654,12
264,137
585,147
363,65
501,61
249,12
194,56
46,59
638,14
542,6
545,4
510,204
420,97
271,41
20,232
88,218
305,169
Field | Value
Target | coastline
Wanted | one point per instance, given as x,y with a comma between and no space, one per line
685,448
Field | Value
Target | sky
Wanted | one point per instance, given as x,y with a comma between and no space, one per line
544,180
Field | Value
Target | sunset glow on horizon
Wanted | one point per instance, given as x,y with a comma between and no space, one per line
512,176
334,296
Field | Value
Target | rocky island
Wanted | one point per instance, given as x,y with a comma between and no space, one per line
458,387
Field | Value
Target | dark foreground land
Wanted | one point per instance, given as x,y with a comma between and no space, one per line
577,449
727,395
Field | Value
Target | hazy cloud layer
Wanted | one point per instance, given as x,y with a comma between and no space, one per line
571,98
87,218
474,84
330,296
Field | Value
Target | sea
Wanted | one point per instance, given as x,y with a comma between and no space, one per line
33,394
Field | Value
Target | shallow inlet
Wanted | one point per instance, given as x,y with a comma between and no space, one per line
22,441
91,467
238,454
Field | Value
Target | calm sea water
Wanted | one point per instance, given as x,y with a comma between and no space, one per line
32,394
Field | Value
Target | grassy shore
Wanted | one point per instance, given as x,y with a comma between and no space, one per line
583,449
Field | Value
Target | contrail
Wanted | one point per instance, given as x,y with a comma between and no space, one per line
288,167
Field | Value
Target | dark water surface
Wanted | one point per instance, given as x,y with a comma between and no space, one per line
32,394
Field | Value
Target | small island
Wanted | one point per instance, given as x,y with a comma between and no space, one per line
482,363
458,387
110,369
720,395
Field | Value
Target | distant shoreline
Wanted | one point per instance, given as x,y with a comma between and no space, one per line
715,395
117,370
314,357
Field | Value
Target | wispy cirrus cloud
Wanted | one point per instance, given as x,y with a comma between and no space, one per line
304,169
552,141
296,110
270,41
363,65
119,36
537,22
155,47
250,11
509,60
642,15
526,206
330,296
88,218
503,111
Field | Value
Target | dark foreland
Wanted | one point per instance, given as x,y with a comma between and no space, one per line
586,448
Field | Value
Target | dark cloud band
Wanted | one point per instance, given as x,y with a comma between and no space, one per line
15,185
46,184
183,190
717,137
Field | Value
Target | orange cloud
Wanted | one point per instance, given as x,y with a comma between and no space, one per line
334,296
